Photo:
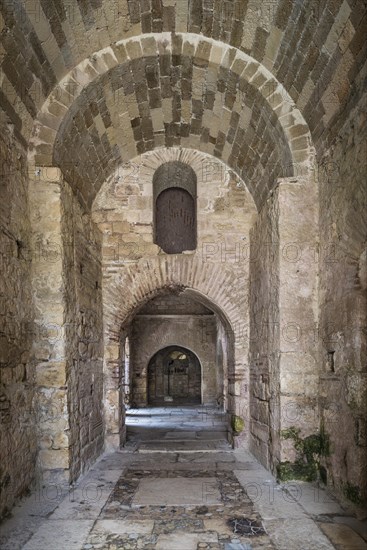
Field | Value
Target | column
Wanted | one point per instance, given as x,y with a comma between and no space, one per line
48,352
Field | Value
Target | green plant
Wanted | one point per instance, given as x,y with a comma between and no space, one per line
309,452
237,424
352,492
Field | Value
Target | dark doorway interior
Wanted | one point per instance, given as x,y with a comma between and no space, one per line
175,229
174,378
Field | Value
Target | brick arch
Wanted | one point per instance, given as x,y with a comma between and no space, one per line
236,111
125,294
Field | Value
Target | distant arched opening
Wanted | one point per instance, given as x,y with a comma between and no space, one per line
174,377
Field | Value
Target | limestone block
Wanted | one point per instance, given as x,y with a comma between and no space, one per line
54,459
295,364
51,374
113,351
260,431
299,385
299,411
133,49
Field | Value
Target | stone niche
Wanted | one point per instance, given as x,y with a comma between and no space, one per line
174,214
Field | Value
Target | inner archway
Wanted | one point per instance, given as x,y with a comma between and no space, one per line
181,354
174,378
177,354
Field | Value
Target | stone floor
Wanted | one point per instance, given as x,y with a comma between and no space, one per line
183,429
190,499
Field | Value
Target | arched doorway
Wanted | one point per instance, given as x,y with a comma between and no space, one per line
174,377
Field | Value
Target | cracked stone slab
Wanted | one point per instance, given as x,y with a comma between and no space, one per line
88,498
316,500
272,501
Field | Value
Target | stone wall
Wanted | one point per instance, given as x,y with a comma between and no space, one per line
135,269
67,293
284,355
299,366
83,332
18,438
224,357
264,334
151,334
343,303
48,350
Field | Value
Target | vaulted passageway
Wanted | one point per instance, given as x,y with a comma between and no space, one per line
184,176
180,354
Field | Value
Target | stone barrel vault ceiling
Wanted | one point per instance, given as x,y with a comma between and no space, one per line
64,63
308,46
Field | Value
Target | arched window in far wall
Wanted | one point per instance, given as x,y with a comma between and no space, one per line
174,199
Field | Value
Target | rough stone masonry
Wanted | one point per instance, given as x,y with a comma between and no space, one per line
265,103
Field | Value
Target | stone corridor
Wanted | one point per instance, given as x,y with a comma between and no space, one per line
183,232
178,485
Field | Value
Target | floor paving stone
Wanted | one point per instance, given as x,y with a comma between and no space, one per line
57,534
131,500
177,491
343,537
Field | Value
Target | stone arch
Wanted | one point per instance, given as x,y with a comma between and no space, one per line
146,279
260,132
195,395
160,347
